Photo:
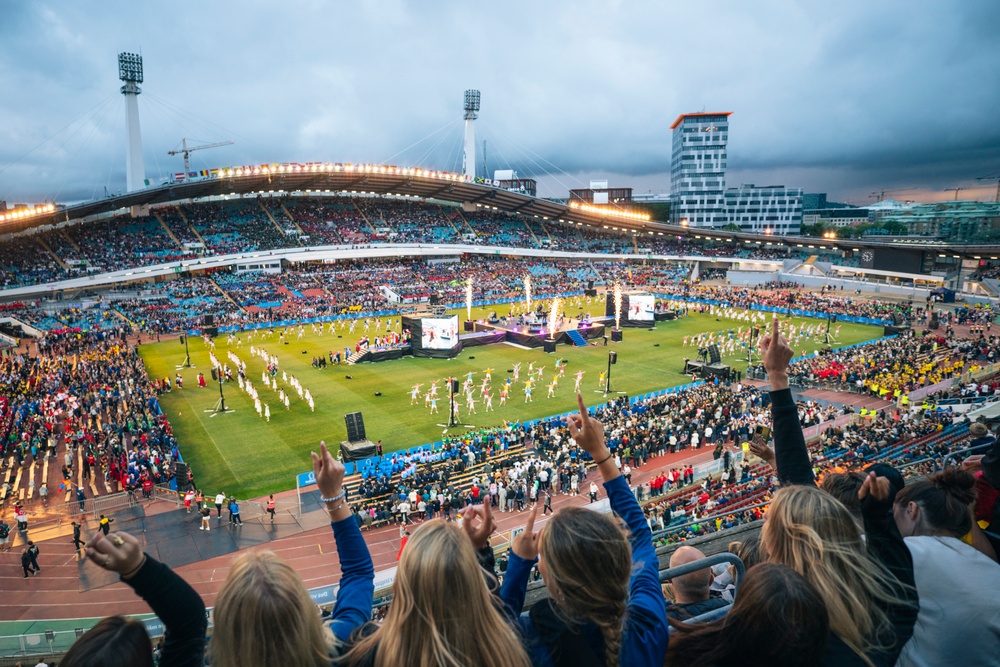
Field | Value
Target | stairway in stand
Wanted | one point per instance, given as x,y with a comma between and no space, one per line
577,338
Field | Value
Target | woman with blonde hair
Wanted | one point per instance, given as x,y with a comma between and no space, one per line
606,607
442,612
263,613
866,585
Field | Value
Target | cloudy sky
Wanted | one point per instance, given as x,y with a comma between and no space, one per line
846,98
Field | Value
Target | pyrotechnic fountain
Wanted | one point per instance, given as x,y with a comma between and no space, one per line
618,306
553,317
468,298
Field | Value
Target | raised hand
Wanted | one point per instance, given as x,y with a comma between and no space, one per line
587,431
479,524
763,451
525,544
877,486
776,353
328,471
116,552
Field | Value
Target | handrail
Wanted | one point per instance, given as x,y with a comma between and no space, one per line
700,564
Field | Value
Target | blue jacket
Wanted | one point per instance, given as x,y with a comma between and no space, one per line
357,580
645,634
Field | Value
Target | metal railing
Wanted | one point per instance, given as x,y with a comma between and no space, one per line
739,571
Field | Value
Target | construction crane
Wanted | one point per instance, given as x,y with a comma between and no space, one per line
955,190
992,177
880,195
185,151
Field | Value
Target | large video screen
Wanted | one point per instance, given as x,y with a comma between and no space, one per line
640,307
439,333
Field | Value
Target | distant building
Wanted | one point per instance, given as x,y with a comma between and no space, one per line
950,219
773,209
599,193
818,200
835,217
698,169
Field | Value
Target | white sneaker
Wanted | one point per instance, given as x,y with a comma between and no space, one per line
209,528
201,528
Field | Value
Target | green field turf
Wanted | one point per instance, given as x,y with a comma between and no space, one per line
240,453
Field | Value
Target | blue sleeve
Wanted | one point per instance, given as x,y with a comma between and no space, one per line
644,640
357,582
515,583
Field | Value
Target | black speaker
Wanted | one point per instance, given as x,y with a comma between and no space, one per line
613,357
209,320
590,284
934,323
181,475
549,345
713,354
215,374
355,426
896,319
211,332
182,340
616,335
469,325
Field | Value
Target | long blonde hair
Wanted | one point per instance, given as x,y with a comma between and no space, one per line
588,563
264,616
442,613
814,534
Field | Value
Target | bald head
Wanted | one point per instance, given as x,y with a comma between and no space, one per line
692,587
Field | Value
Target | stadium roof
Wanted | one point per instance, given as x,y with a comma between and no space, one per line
427,184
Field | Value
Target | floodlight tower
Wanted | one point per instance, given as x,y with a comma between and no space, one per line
130,71
471,112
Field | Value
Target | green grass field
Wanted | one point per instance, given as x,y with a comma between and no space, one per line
241,453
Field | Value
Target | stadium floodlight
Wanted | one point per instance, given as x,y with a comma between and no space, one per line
471,101
130,67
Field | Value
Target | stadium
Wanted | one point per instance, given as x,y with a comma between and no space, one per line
473,354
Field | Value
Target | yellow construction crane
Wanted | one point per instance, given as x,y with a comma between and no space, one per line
185,151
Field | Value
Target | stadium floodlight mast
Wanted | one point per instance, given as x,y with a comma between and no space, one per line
471,113
130,71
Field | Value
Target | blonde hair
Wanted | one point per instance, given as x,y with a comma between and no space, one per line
588,563
814,534
442,612
264,616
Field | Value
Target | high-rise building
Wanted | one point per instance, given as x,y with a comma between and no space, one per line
772,209
698,169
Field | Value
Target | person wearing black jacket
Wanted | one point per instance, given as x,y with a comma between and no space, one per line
117,641
868,586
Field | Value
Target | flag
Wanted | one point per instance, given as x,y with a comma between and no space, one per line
214,173
203,172
145,182
179,176
192,174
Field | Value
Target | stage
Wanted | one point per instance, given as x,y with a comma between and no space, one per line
706,370
533,333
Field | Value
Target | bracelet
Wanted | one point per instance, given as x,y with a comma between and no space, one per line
333,510
610,455
335,498
131,573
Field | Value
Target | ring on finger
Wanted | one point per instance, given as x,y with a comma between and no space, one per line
107,561
117,540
